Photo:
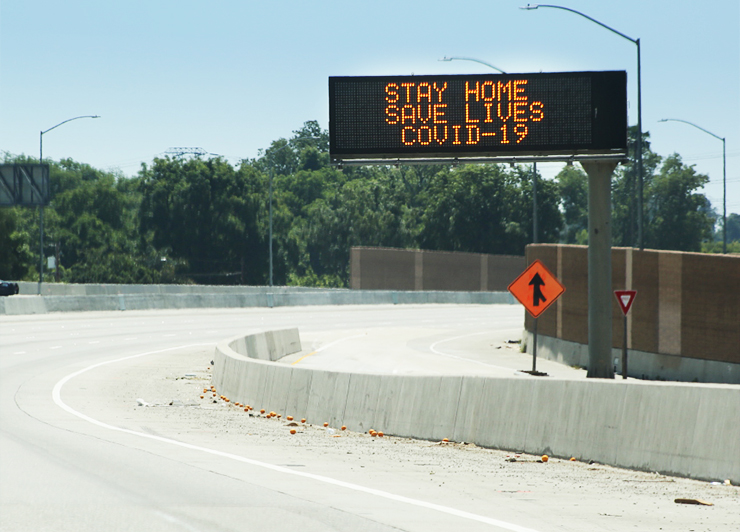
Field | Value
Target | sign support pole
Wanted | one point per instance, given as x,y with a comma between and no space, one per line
534,348
624,350
625,298
536,288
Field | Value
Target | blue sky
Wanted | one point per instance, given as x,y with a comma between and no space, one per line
231,76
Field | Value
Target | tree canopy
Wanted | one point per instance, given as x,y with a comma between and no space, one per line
204,220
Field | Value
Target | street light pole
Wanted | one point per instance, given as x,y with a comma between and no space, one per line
724,176
271,176
41,207
640,208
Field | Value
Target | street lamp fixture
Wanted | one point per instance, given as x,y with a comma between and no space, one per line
41,207
530,7
471,59
724,176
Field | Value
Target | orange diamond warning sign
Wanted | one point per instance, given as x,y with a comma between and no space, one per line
536,288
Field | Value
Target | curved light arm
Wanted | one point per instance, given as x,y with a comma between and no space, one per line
69,120
535,6
471,59
724,175
41,134
691,124
640,209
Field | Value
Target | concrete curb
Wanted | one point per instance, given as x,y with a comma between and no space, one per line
686,430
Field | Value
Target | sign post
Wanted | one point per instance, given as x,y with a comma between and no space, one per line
514,118
625,298
536,288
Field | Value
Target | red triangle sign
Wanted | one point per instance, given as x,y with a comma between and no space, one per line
625,298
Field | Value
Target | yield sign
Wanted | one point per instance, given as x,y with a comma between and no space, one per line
625,298
536,288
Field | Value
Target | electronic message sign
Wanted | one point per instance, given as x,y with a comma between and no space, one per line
564,113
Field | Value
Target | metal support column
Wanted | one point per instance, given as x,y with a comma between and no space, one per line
599,269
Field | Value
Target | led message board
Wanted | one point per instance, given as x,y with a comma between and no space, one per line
565,113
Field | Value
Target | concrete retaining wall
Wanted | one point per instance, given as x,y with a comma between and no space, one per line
687,430
641,364
234,297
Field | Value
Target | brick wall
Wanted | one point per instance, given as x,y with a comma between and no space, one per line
403,269
687,304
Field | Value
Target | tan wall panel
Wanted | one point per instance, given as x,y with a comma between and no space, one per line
710,307
669,302
574,277
502,270
451,271
645,308
401,269
382,269
355,264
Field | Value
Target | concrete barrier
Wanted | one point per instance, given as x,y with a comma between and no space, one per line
22,305
690,430
65,289
81,298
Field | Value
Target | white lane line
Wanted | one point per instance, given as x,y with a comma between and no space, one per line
56,347
57,397
433,349
175,520
327,346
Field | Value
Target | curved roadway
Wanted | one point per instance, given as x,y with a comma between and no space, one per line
78,452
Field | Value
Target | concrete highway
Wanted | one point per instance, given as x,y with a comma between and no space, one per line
102,428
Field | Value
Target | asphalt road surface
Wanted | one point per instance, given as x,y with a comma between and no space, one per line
103,428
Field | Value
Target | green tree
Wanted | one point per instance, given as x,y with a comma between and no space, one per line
679,217
364,211
549,217
733,227
15,243
208,216
573,188
625,191
485,209
88,223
